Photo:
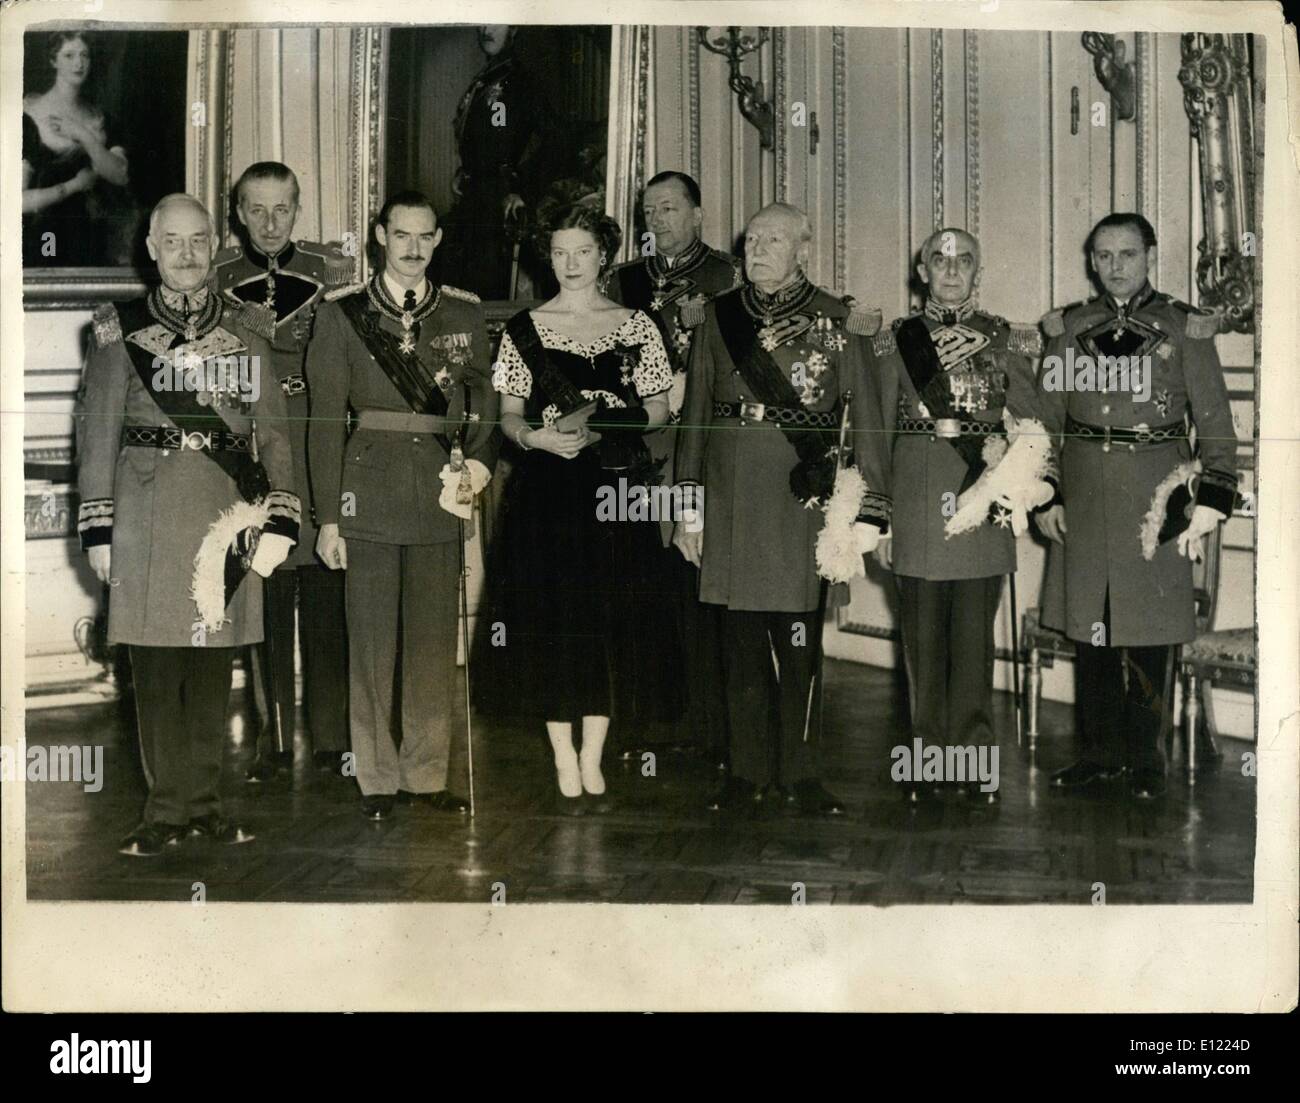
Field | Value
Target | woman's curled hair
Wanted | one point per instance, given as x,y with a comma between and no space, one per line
577,216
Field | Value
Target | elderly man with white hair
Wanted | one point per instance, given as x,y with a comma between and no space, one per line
770,366
186,483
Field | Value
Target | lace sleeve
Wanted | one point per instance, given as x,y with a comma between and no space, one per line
653,374
510,375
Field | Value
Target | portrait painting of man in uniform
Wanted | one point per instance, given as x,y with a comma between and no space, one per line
485,120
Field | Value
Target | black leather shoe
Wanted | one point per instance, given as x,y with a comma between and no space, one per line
917,793
814,799
598,803
735,795
1148,783
444,800
267,767
150,839
218,829
1083,773
570,806
377,806
330,762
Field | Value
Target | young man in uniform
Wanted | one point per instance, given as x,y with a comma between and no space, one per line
411,360
1119,578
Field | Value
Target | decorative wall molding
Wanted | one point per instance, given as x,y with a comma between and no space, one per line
78,288
780,46
972,77
631,124
369,89
693,69
1147,102
207,146
936,124
50,514
1218,98
839,124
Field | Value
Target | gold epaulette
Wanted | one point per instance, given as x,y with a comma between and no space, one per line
862,320
340,292
1054,322
1025,339
691,312
225,256
737,272
339,266
106,325
460,293
1201,324
256,318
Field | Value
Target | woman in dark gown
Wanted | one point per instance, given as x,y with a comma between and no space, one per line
574,626
70,163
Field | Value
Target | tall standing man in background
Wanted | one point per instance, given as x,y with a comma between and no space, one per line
274,285
673,279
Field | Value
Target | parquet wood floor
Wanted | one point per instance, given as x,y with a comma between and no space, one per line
659,845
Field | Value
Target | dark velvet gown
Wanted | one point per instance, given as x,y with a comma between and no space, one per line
92,228
575,621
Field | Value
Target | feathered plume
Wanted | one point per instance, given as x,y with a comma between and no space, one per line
839,549
208,586
1014,481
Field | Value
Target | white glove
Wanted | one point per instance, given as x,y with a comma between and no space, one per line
479,477
867,537
1039,495
1191,541
101,561
272,550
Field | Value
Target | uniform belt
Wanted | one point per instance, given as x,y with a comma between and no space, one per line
400,421
782,415
949,427
184,440
1106,435
293,384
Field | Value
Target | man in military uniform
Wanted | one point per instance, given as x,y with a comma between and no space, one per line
500,136
672,283
185,477
939,382
769,366
412,361
1119,579
274,284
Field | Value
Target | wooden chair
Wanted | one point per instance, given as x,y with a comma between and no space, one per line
1218,656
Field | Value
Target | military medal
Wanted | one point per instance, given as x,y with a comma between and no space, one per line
408,319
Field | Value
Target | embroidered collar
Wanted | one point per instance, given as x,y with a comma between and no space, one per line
689,259
787,301
190,316
949,315
282,259
1144,295
383,301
